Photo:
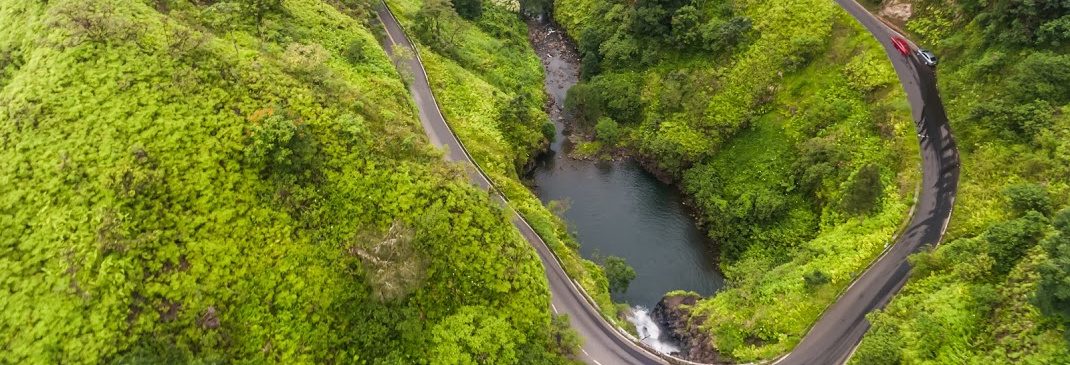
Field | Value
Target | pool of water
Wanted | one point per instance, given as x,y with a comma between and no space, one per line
618,208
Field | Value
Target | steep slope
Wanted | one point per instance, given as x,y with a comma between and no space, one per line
784,122
996,292
239,181
488,82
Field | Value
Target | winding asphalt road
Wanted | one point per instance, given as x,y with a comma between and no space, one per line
602,343
835,336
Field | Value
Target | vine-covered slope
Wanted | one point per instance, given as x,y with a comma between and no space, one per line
239,181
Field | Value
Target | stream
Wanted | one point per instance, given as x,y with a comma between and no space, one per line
617,208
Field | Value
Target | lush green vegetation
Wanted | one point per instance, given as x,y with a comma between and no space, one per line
217,182
785,124
488,83
618,272
997,291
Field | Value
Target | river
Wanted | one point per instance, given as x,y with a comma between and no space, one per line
618,208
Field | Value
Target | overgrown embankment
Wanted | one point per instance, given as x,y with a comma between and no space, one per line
785,124
489,84
214,182
997,291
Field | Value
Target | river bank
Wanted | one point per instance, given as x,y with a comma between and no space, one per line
617,207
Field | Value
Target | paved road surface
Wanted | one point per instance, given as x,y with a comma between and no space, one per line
835,336
601,343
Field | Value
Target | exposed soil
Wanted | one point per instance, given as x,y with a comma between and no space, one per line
896,11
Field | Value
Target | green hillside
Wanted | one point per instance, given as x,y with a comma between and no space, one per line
998,290
785,124
489,83
239,182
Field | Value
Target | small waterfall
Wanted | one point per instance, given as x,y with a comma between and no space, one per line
649,332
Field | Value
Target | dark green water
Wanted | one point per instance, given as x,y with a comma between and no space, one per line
617,208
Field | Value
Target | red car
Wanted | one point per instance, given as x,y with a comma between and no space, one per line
901,45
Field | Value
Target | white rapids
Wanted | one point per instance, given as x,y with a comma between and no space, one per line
649,332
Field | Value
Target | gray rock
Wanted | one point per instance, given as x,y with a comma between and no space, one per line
673,313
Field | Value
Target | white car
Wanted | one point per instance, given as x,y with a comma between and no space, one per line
928,58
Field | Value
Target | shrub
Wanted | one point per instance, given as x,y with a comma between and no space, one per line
863,191
1008,241
619,274
307,60
1028,197
607,131
354,52
468,9
815,279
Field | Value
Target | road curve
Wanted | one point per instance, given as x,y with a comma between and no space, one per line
834,337
602,343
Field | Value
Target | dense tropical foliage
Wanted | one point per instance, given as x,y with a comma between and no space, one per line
215,181
240,181
996,292
488,83
784,123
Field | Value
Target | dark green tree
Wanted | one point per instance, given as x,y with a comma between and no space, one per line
686,30
564,339
607,131
864,190
1041,76
651,21
279,143
818,162
1026,197
584,103
620,97
882,345
619,274
468,9
590,66
1015,21
354,52
1008,241
719,37
1016,120
537,7
815,279
437,24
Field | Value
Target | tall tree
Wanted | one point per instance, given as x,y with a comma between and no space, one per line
437,24
468,9
864,191
257,10
620,275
